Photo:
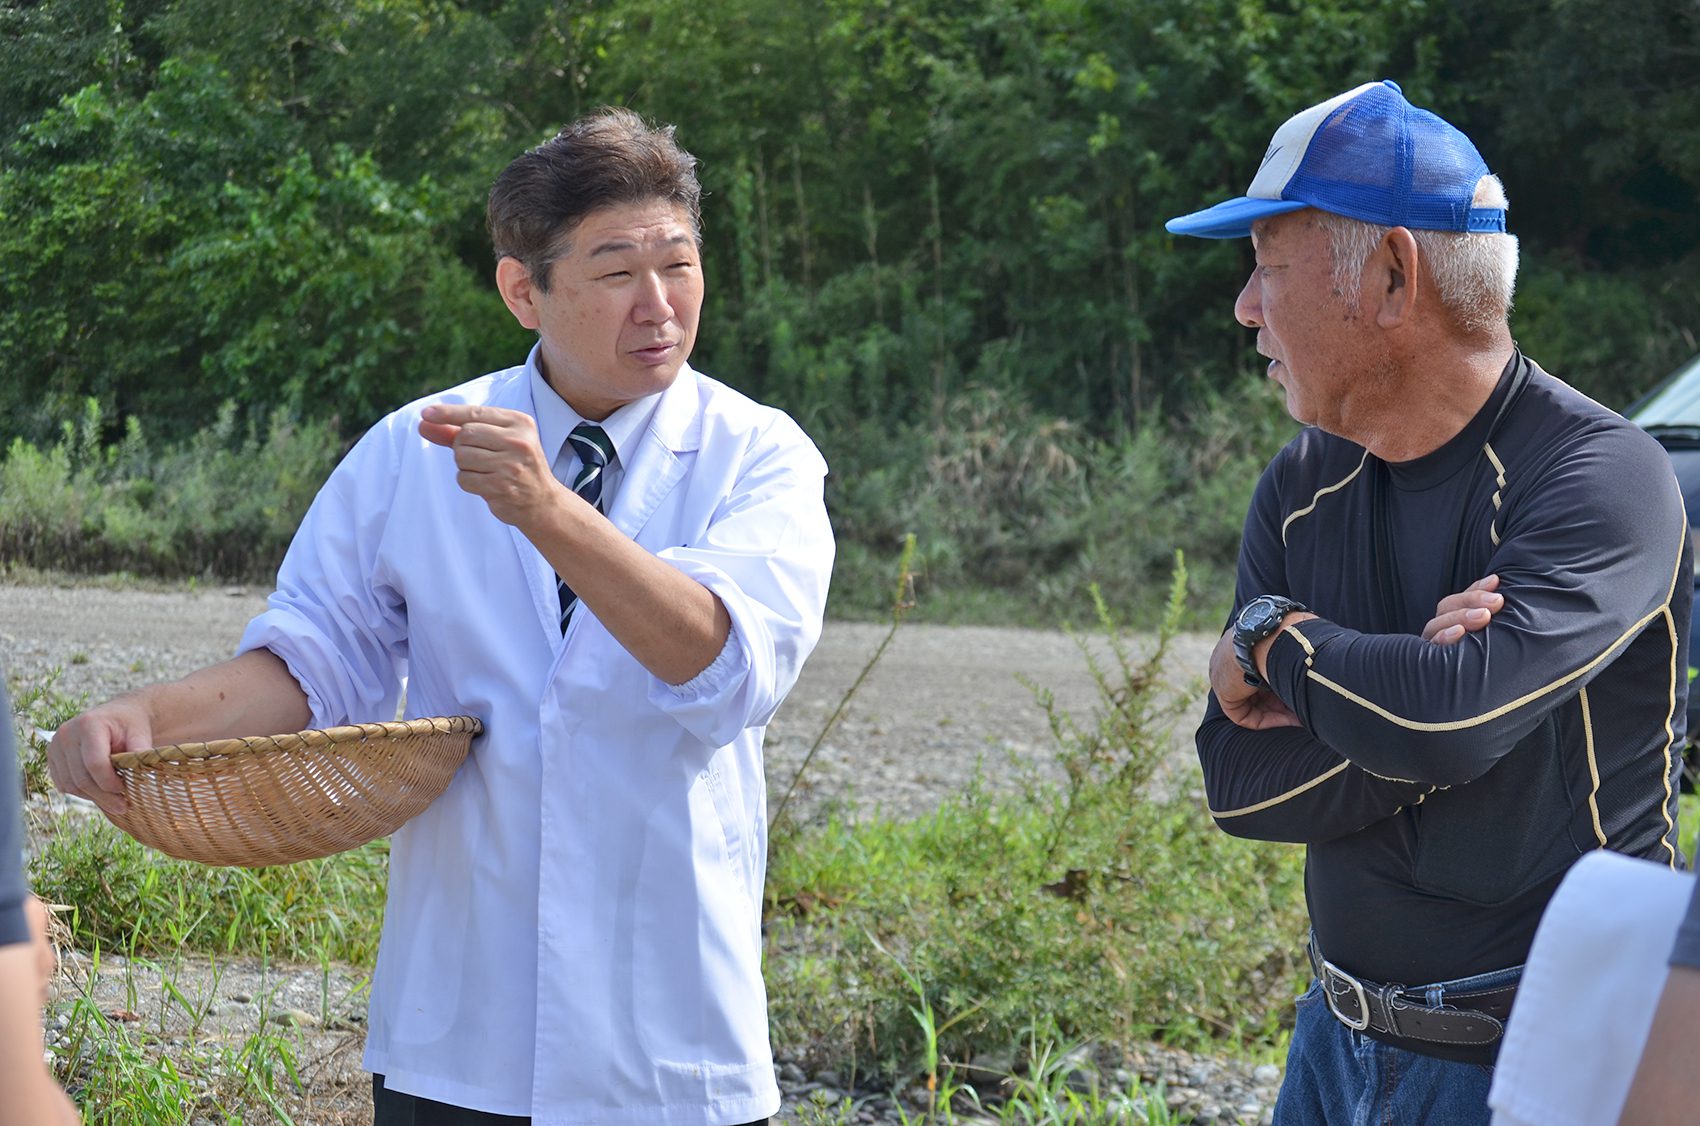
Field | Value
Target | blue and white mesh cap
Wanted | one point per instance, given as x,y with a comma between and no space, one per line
1367,154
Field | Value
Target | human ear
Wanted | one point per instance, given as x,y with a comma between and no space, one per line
513,281
1393,271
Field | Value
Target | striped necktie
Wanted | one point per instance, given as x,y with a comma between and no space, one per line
594,451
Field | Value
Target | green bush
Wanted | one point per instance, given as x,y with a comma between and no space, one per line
1016,513
170,252
222,504
40,505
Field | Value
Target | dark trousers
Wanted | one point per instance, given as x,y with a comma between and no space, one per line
393,1108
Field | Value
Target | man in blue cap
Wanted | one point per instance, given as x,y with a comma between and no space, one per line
1460,614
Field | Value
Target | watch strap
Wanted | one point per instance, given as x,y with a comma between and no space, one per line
1246,638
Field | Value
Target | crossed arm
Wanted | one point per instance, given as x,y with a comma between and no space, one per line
1259,708
1268,778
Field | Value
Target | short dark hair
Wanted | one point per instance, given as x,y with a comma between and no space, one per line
607,157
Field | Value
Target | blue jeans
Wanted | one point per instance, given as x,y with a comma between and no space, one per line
1338,1077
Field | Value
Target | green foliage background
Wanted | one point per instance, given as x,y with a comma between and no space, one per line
935,221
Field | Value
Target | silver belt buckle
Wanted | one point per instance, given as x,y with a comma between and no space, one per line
1331,971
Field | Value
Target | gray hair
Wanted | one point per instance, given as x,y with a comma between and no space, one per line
1475,273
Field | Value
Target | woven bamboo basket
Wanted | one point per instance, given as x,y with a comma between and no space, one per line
277,799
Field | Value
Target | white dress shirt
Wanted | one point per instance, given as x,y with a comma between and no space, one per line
573,928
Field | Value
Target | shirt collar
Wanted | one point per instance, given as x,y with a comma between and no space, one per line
555,419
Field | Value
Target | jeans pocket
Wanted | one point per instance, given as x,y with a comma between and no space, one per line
1312,995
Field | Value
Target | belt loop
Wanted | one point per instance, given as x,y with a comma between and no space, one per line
1386,996
1434,996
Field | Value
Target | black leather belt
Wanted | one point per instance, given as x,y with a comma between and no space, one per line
1466,1024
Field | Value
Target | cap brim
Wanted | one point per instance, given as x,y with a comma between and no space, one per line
1231,218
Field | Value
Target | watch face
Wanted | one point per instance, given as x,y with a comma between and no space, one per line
1257,615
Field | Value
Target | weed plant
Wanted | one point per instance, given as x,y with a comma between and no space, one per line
120,1077
1045,1098
1100,906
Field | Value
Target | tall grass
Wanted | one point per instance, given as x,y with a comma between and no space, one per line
125,896
126,1076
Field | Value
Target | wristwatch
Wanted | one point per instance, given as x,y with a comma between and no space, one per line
1260,618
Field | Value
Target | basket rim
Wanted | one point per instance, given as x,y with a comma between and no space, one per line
317,738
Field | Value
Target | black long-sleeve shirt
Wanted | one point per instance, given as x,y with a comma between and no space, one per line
1442,791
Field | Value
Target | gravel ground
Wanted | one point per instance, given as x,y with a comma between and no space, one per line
940,702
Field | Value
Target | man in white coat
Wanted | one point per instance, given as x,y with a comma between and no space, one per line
619,565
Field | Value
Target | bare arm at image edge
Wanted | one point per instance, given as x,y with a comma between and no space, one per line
1666,1089
252,694
28,1094
32,1097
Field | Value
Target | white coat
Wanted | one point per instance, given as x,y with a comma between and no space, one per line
573,927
